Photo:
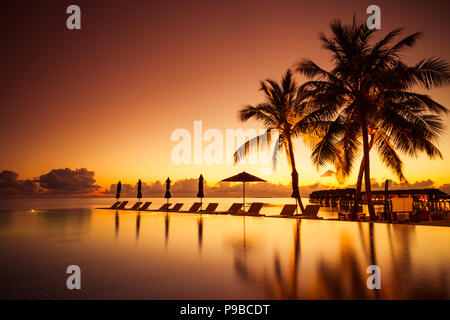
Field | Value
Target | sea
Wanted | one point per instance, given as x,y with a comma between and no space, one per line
160,255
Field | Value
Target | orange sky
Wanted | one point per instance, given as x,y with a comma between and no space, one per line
108,97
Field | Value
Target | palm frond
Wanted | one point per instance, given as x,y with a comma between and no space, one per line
258,143
389,156
432,73
325,151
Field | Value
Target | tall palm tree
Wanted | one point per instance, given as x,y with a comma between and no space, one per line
368,98
284,107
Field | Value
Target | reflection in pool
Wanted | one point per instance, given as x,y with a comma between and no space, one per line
130,255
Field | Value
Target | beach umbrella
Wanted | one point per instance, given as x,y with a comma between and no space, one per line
118,189
243,177
139,190
167,195
200,193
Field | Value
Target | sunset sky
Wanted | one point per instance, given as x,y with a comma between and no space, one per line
108,97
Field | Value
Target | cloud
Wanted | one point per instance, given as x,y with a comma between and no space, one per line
67,181
328,173
81,182
187,188
445,188
150,190
406,185
11,185
56,182
416,185
397,186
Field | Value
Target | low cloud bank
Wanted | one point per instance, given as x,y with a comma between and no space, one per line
81,182
56,182
11,185
395,186
187,188
67,181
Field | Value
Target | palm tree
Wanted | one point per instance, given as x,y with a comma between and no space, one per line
368,97
284,107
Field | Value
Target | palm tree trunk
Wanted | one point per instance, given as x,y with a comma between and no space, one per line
367,171
358,191
294,174
359,184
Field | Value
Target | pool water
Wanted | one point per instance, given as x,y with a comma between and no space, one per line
131,255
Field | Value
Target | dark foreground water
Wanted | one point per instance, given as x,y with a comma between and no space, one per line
127,255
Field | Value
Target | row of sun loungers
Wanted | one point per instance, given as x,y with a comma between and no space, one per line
311,211
288,210
138,206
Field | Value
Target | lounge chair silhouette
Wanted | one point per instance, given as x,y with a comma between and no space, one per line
194,208
122,205
115,205
176,207
288,210
255,208
145,206
164,207
210,208
235,207
136,206
311,212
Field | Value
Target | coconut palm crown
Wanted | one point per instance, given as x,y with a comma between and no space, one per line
368,99
284,106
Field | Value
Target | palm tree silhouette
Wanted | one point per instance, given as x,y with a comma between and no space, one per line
369,97
285,105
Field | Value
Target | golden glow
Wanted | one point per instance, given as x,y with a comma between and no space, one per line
225,256
111,105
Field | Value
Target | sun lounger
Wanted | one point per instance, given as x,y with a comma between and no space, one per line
235,207
252,211
194,208
288,210
136,206
164,207
311,212
115,205
255,208
122,205
176,207
145,206
210,208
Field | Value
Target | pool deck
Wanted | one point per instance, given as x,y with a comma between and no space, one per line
438,223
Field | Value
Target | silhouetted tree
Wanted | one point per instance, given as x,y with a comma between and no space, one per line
284,107
368,98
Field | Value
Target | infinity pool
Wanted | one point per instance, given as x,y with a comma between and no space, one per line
127,255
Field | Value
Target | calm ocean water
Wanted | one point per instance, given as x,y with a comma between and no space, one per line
127,255
272,206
